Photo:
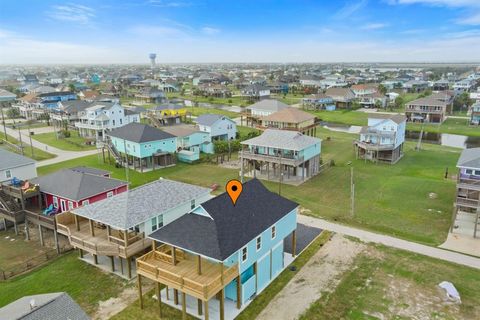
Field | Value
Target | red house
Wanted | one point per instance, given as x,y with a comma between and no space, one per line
70,188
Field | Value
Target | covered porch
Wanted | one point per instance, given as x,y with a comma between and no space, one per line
99,239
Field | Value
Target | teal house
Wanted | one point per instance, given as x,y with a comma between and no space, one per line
190,142
289,156
224,255
143,147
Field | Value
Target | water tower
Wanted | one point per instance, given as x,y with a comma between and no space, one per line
152,57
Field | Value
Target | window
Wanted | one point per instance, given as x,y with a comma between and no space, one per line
55,202
274,232
120,121
192,204
8,174
259,243
109,194
469,171
160,221
477,172
154,224
244,254
85,202
70,205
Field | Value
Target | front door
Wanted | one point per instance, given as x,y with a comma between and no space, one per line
63,205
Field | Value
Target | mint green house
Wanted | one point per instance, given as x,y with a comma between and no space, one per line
143,147
190,142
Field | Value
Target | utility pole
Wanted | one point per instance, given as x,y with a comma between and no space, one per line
20,139
4,125
352,194
31,144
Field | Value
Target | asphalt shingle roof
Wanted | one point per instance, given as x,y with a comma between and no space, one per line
269,105
397,118
208,119
130,208
12,160
470,158
138,132
51,306
282,139
75,185
289,115
229,227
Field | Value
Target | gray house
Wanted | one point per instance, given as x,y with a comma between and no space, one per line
15,165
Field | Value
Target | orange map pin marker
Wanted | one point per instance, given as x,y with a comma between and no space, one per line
234,189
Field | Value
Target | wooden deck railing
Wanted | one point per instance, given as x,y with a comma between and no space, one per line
147,267
39,218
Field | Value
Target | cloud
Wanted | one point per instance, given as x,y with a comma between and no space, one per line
168,4
73,13
210,30
350,8
159,31
473,20
373,26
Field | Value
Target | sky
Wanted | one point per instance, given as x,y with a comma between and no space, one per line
190,31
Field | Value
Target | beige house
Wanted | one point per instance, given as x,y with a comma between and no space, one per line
291,119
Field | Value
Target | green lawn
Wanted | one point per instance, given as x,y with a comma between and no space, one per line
37,153
386,283
84,283
196,111
232,101
72,143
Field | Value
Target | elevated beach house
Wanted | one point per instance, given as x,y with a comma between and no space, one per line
218,126
382,139
467,201
430,109
260,109
281,155
291,119
231,252
117,226
142,147
475,114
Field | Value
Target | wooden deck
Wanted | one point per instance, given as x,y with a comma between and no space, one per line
101,243
18,193
184,276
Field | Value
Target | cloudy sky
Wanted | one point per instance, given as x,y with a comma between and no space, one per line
115,31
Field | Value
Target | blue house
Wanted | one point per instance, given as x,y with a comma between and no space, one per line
190,142
383,138
143,147
219,249
276,154
49,100
218,126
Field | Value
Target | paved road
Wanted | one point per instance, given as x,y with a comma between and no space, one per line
368,236
61,155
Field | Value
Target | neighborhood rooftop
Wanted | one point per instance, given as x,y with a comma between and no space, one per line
228,227
282,139
181,130
75,185
138,132
140,204
397,118
208,119
290,115
11,160
470,158
268,105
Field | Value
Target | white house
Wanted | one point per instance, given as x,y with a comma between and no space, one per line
266,107
13,165
220,127
101,117
383,138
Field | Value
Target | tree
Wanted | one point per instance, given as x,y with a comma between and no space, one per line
71,87
462,102
382,89
399,102
13,113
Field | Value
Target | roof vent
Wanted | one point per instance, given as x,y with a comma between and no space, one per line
32,304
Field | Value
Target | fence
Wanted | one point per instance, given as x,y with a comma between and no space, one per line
30,264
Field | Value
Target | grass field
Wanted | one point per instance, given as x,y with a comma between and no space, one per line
392,284
389,199
73,143
84,283
196,111
37,153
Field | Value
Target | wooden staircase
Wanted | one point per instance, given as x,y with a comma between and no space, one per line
155,122
8,202
116,155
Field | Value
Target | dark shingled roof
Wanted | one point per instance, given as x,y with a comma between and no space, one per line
91,170
230,227
138,132
74,185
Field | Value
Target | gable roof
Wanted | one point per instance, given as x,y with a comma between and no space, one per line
75,185
227,228
182,130
139,132
52,306
290,115
132,207
282,139
397,118
428,101
12,160
91,170
209,119
470,158
340,92
269,105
